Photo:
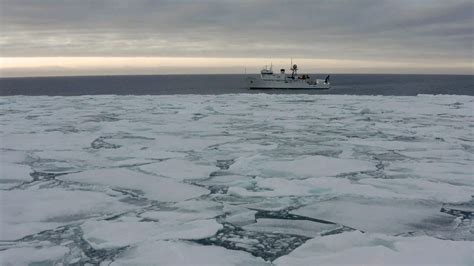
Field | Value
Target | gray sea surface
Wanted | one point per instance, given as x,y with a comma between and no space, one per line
362,84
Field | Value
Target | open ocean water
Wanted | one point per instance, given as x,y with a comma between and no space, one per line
223,177
400,85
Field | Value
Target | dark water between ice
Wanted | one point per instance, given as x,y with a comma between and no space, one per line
400,85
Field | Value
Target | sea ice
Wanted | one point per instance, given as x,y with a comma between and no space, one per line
450,172
387,216
322,187
187,179
188,143
180,169
32,255
356,248
113,234
45,141
182,253
153,187
239,216
12,156
292,227
26,212
186,211
12,174
415,188
314,166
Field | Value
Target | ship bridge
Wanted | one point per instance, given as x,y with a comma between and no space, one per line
267,74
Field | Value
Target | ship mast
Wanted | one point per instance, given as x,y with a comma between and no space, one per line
294,69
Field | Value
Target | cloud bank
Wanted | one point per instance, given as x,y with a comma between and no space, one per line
422,32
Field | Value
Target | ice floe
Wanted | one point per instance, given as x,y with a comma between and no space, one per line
113,234
181,253
14,174
292,227
23,256
180,169
356,248
152,187
314,166
26,212
387,216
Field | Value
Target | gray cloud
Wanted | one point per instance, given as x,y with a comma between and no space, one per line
363,30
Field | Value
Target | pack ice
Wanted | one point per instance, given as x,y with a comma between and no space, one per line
237,180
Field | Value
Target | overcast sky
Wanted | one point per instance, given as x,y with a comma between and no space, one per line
415,35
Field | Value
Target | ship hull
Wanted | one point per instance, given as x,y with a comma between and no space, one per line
256,84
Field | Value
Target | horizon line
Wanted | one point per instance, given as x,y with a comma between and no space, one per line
108,66
222,74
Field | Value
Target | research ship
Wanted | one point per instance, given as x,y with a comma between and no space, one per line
270,80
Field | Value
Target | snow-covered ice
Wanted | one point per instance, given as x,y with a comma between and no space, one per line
313,166
180,253
293,227
112,234
24,256
30,211
152,187
179,169
237,180
390,216
12,174
355,248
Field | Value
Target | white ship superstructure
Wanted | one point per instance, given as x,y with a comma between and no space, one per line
270,80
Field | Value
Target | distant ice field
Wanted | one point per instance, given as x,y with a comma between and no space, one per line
237,179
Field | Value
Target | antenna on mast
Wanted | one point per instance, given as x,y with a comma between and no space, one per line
294,69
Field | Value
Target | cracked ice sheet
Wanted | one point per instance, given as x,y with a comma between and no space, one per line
180,169
194,141
46,141
292,227
182,253
323,186
415,188
113,234
152,187
13,174
28,255
186,211
12,156
387,216
314,166
450,172
26,212
356,248
416,154
191,219
327,187
77,160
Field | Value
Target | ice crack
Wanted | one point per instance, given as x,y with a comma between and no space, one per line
99,143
